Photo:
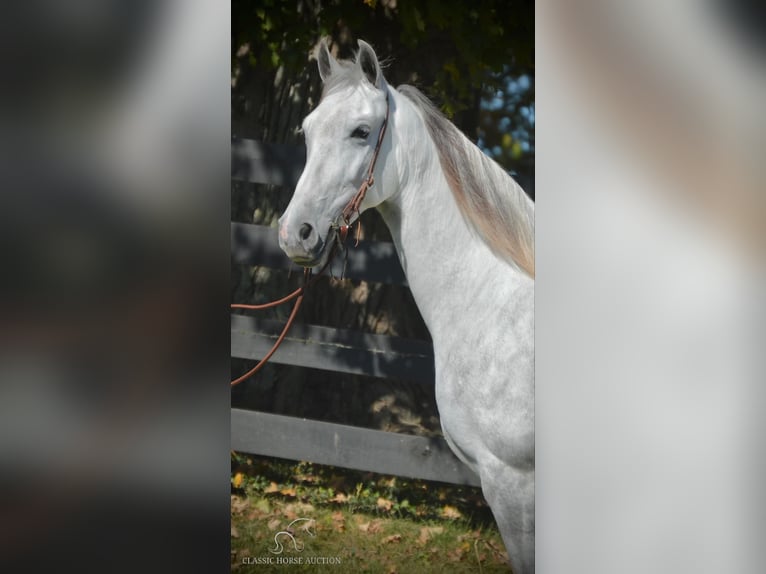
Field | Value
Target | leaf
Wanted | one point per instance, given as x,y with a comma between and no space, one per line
473,535
375,527
392,538
339,521
274,523
427,532
234,532
237,480
370,527
238,505
263,506
451,512
304,507
451,68
288,491
385,504
419,22
455,555
340,497
273,487
310,478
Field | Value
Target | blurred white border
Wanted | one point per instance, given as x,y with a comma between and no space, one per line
648,243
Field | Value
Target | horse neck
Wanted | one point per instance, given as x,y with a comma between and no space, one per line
448,267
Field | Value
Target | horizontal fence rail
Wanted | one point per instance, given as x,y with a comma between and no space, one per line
425,458
370,260
339,350
258,162
282,164
336,350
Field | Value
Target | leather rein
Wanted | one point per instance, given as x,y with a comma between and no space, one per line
308,280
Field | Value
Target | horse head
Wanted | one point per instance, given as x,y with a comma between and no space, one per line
344,136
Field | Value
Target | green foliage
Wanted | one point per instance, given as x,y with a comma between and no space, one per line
330,487
478,42
457,52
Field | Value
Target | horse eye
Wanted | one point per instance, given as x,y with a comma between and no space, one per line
361,133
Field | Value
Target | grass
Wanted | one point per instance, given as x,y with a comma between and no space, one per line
298,517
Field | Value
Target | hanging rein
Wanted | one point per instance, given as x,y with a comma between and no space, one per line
308,280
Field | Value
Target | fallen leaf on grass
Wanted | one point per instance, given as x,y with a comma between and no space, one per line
238,505
307,477
392,538
272,488
234,532
370,527
473,535
458,553
262,506
340,497
274,523
339,521
385,504
288,491
237,480
302,508
450,512
427,532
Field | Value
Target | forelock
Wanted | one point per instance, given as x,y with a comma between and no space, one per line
346,74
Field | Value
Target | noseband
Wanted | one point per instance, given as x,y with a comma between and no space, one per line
351,208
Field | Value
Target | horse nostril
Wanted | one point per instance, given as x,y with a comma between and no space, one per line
305,231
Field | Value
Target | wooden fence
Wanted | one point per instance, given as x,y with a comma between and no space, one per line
338,350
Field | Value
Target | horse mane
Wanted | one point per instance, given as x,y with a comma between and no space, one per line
491,202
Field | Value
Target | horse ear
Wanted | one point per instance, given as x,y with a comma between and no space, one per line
326,62
368,61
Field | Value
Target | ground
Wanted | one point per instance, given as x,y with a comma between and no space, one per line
298,517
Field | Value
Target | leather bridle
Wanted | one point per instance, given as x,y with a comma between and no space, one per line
348,212
356,201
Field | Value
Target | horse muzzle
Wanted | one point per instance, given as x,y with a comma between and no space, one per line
303,243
